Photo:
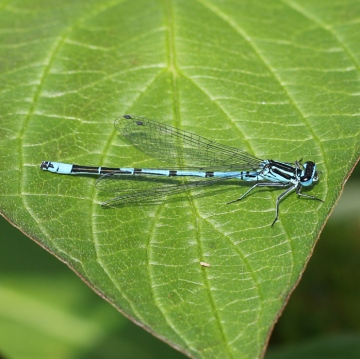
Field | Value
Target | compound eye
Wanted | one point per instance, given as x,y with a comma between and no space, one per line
306,181
308,174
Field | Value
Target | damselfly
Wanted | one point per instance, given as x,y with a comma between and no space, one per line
196,158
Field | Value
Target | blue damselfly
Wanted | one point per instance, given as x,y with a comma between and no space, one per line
196,157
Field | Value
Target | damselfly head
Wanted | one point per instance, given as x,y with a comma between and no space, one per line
308,174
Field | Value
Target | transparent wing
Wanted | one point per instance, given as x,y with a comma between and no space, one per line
142,188
182,148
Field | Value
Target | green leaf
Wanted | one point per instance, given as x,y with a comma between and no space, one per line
277,79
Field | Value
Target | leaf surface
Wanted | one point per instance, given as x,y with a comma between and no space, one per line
277,79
